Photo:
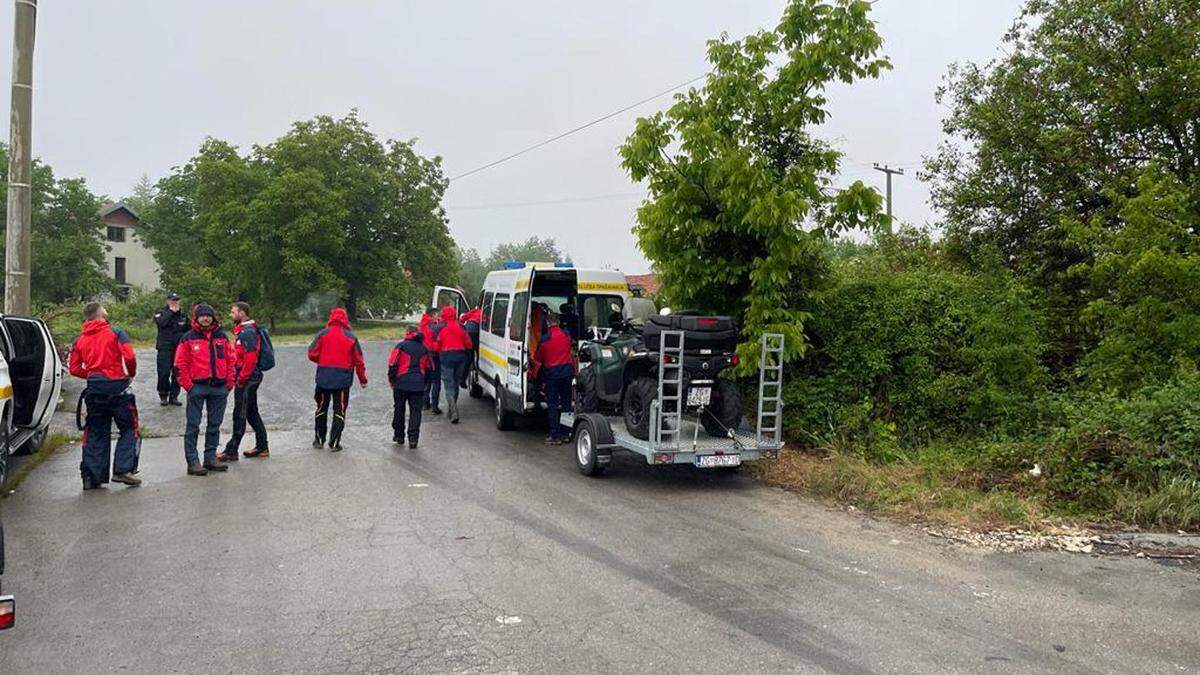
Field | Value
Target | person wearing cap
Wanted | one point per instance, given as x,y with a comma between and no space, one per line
172,324
205,360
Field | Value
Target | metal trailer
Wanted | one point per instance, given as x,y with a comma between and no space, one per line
676,439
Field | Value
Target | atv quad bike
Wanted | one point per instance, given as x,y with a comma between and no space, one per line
618,371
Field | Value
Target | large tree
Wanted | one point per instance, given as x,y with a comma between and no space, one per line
326,207
1047,146
66,244
741,191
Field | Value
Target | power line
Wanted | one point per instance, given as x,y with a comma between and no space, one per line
575,130
565,200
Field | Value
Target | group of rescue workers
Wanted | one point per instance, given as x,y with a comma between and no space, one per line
195,355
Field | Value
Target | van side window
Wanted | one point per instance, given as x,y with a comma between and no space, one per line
516,324
499,315
485,320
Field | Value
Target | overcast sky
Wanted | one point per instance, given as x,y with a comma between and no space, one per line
125,87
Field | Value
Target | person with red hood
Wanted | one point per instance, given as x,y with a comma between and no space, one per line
104,357
470,321
429,328
454,351
338,356
205,360
407,366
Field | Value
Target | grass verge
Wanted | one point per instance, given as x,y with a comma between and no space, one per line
50,446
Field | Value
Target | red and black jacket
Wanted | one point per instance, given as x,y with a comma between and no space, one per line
337,353
409,362
554,358
103,355
246,343
452,337
204,355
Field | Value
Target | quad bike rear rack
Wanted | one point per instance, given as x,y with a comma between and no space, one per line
676,438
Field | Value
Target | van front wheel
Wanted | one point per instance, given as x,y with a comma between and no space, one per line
505,418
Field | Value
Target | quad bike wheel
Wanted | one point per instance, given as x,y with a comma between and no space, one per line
724,411
586,399
636,408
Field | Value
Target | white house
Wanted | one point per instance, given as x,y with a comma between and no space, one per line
128,259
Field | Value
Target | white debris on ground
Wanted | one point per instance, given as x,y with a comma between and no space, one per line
1010,541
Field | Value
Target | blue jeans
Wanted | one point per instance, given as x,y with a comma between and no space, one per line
558,401
202,398
454,366
106,404
433,383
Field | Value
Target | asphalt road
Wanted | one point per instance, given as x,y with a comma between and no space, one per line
487,551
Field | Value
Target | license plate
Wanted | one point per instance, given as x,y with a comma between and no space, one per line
698,396
710,461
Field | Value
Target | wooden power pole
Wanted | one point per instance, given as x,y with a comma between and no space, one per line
890,172
20,162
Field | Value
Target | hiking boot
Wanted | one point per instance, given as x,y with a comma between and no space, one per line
162,400
197,470
257,452
127,478
318,443
216,466
335,447
435,410
91,484
428,405
227,456
397,440
174,400
412,445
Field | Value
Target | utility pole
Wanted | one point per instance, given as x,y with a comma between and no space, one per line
889,171
20,162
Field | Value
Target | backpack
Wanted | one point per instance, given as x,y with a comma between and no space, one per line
266,350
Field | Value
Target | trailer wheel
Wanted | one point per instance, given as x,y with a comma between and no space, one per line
638,397
586,453
505,418
724,411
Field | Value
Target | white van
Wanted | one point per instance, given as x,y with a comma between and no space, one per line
502,362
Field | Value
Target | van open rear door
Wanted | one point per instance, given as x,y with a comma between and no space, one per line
36,371
448,295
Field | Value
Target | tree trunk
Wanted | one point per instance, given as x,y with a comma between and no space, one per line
352,304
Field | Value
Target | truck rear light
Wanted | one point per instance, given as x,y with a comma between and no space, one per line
734,360
707,322
8,612
663,458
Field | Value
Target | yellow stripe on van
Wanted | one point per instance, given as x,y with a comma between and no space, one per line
522,284
6,392
493,356
601,286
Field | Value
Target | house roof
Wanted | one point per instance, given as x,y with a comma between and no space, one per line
647,282
107,209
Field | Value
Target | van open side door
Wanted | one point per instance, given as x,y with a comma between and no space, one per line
35,369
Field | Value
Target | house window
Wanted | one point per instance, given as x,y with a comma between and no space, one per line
116,233
119,270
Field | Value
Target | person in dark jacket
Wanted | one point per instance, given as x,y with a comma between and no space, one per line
104,357
172,323
247,345
407,366
338,356
556,367
470,321
429,328
454,350
205,362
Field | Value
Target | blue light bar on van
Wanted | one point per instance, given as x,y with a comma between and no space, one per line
564,264
513,264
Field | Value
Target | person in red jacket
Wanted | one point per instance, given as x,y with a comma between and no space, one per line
407,365
454,351
339,357
247,345
204,358
470,321
429,328
557,369
104,357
